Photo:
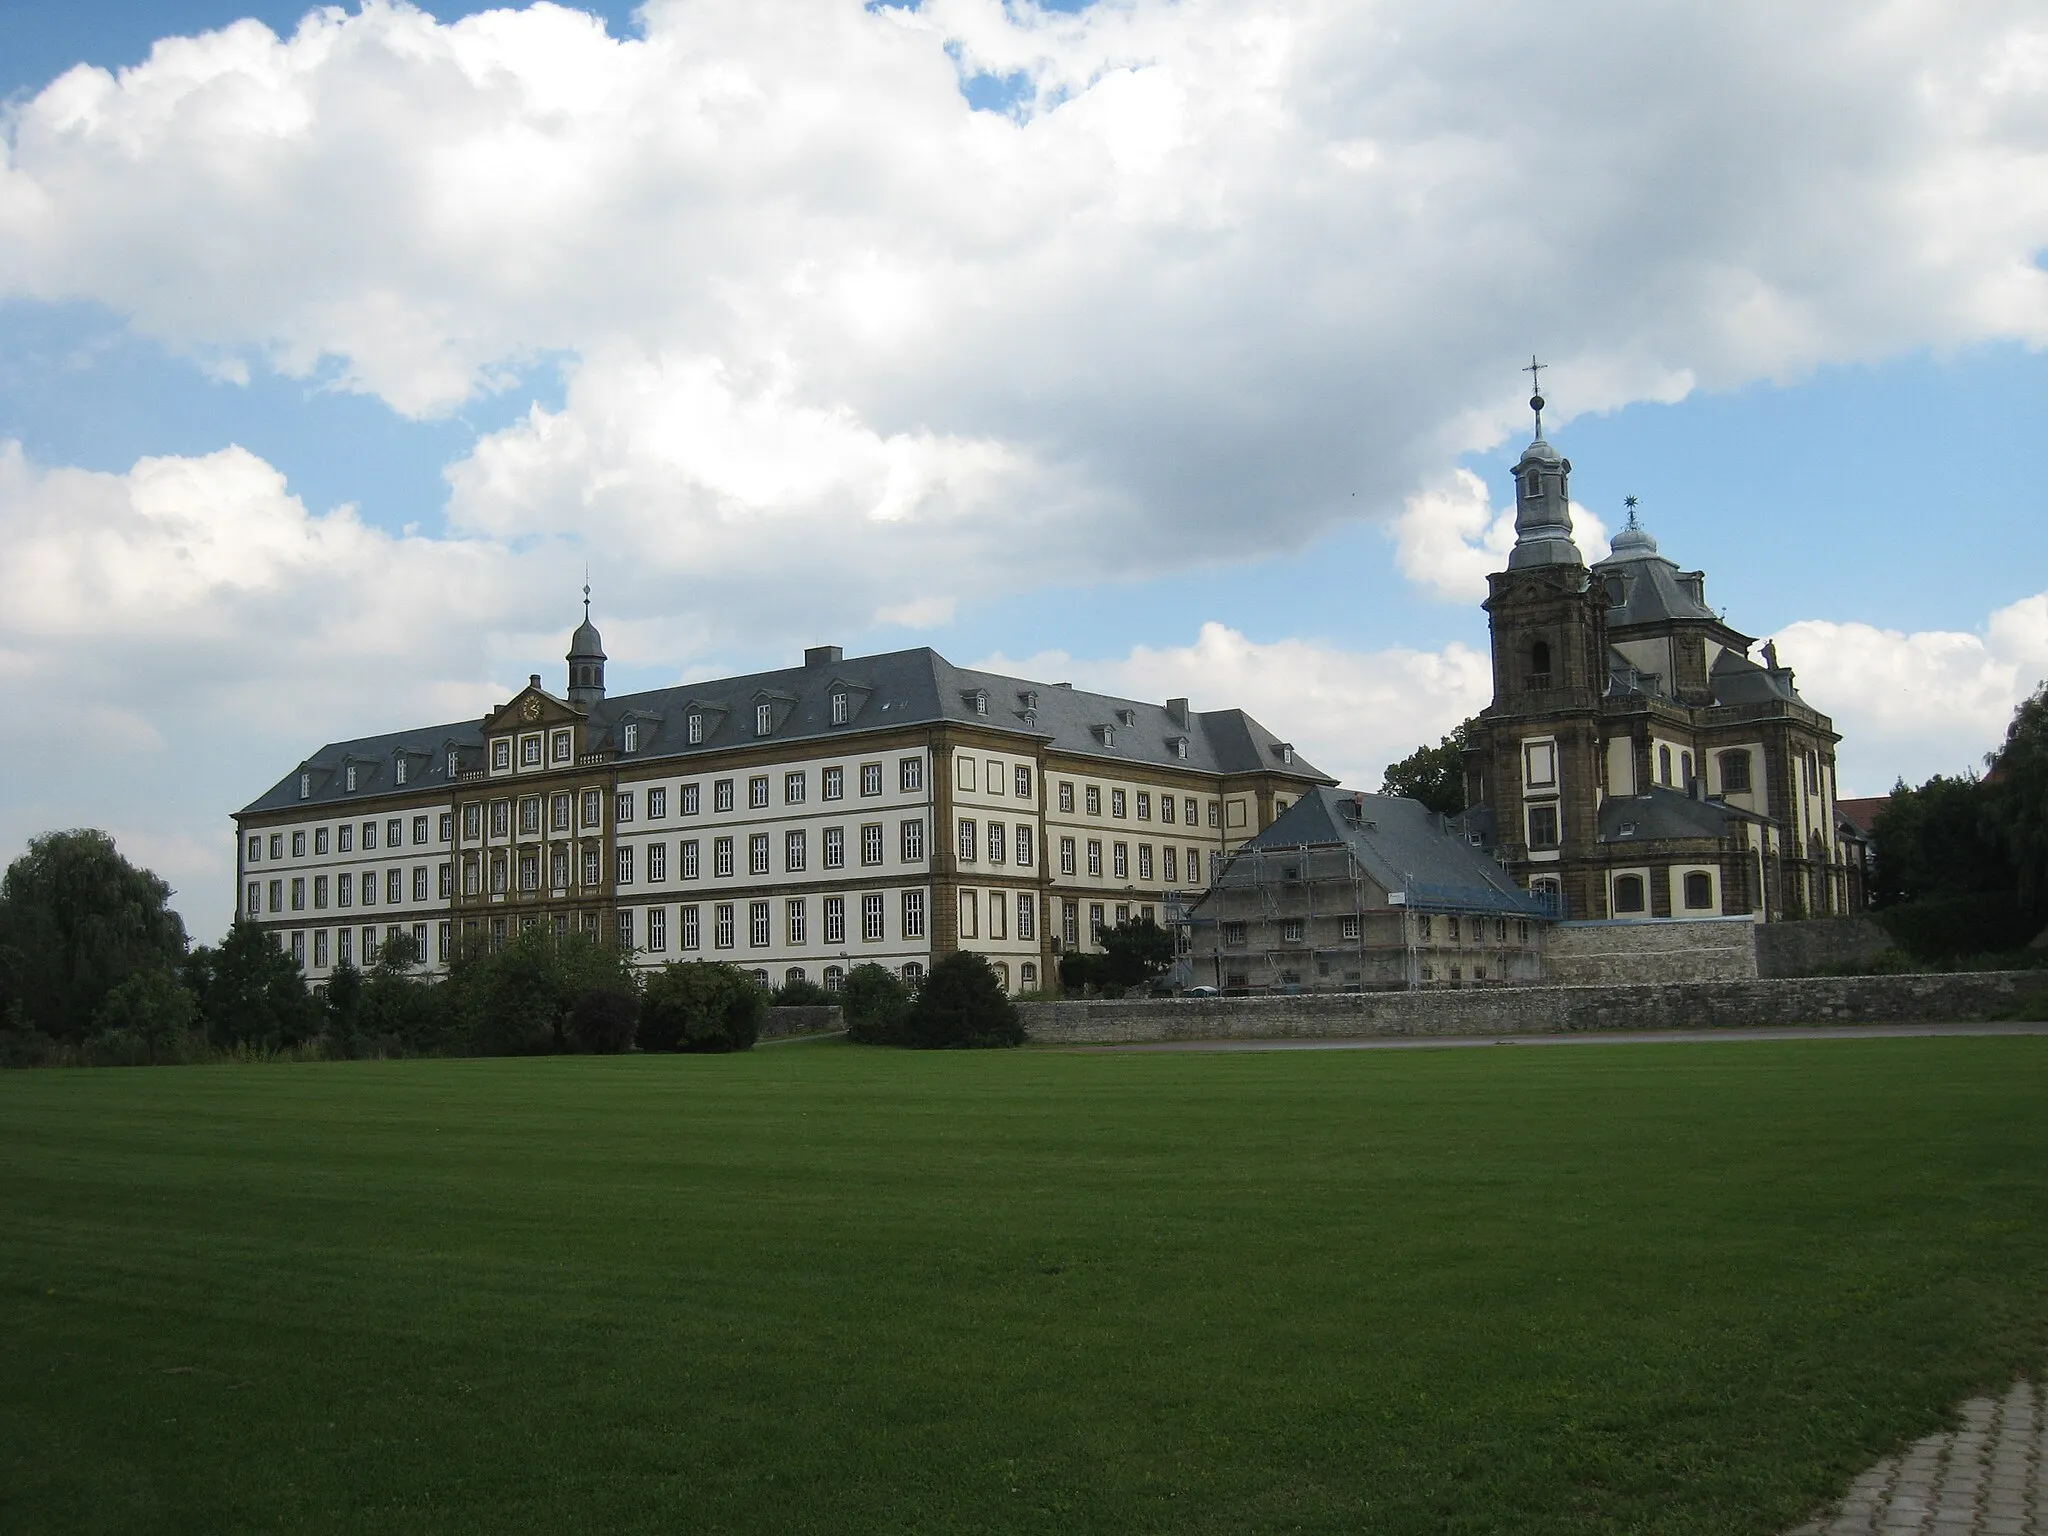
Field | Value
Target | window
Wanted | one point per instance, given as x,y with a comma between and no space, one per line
764,719
657,929
835,848
1022,780
721,926
998,916
1093,796
1094,855
593,870
970,907
1663,765
687,852
1735,773
622,805
277,895
1118,804
757,854
306,786
1108,735
529,751
558,869
1351,927
690,800
909,776
721,795
629,738
622,866
1027,916
344,890
686,921
793,851
1215,813
1066,856
1215,865
299,895
913,914
419,882
1539,764
529,816
1070,923
299,949
1144,806
757,792
870,778
298,845
561,746
446,829
835,977
255,894
871,917
1066,797
394,886
1628,893
1095,922
501,755
1169,865
1027,973
446,882
910,835
1542,826
1291,931
840,712
657,803
964,773
1021,844
693,728
593,807
345,835
967,854
626,929
1685,769
996,853
501,824
255,848
1699,891
721,858
834,783
835,919
1120,861
913,973
871,843
793,920
1145,861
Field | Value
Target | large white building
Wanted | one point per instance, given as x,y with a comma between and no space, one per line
889,808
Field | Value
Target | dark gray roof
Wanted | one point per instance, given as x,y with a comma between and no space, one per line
1404,846
1667,813
375,759
1736,679
897,688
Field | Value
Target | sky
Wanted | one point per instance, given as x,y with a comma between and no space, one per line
1169,348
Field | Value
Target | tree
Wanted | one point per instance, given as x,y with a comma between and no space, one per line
1135,952
603,1020
76,919
875,1003
1434,775
250,992
2020,796
156,1008
1940,840
516,1002
701,1005
962,1005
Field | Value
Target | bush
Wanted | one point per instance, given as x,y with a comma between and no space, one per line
875,1004
1943,927
603,1020
962,1005
801,994
517,1001
701,1005
154,1014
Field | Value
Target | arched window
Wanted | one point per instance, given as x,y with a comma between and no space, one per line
1002,970
835,978
793,975
1628,893
913,972
1539,660
1685,769
1699,891
1663,765
1735,772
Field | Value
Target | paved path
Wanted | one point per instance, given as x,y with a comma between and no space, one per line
1602,1037
1988,1478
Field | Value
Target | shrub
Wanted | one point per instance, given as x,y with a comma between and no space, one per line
875,1004
701,1005
603,1020
1943,927
155,1012
962,1005
801,994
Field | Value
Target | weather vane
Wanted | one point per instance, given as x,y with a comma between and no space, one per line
1535,372
1630,503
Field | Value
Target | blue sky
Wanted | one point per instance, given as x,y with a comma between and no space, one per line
1109,383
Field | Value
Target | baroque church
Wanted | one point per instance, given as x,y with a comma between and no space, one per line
1636,761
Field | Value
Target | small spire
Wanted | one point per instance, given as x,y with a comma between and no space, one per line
1633,522
586,594
1535,372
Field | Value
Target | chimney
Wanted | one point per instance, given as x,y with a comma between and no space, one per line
822,655
533,679
1177,712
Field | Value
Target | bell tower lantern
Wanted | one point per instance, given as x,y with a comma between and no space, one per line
586,660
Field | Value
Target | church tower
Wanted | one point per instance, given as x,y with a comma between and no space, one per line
586,660
1535,760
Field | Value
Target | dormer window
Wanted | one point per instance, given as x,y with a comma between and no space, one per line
454,763
764,719
693,728
306,785
981,702
1287,752
1180,747
1108,735
1029,698
1127,717
398,771
349,777
840,706
630,737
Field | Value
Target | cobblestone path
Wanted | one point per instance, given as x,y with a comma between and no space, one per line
1989,1478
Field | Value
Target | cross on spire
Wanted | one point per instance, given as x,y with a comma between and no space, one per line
586,594
1535,372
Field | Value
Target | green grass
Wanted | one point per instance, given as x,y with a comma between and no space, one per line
826,1289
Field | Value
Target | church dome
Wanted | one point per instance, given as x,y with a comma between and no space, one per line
1633,543
586,641
1540,450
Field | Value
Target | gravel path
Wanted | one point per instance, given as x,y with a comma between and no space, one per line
1605,1037
1988,1478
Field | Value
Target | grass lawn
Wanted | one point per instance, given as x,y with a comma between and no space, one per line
819,1288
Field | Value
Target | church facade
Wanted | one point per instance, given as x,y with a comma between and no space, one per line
1636,762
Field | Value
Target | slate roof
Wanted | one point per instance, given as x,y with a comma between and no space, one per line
1654,590
897,688
1735,679
1666,814
1404,846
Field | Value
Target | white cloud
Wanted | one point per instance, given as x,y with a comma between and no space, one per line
1912,705
1350,712
1448,539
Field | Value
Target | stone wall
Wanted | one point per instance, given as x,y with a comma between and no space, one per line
1805,947
810,1020
1536,1010
1663,950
